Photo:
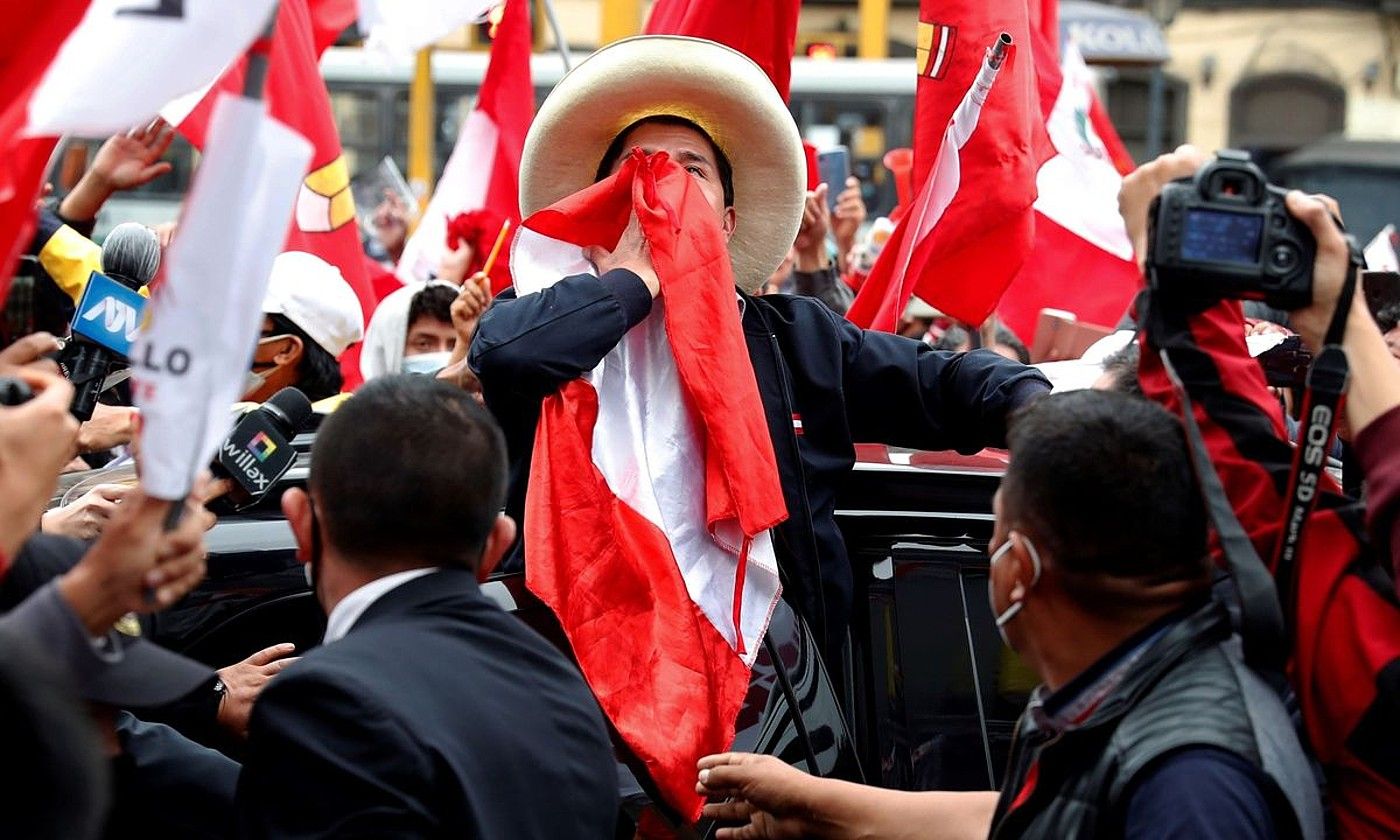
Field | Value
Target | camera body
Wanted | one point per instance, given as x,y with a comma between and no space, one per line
1227,234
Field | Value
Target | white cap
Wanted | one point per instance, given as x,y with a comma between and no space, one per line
313,294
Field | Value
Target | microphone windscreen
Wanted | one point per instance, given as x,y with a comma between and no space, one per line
131,254
292,406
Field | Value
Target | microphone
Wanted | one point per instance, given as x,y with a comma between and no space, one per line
110,313
259,449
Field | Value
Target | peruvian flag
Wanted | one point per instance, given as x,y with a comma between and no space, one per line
976,151
324,220
1082,261
484,169
653,485
35,30
767,32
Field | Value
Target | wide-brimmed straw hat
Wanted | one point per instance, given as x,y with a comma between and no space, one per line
717,88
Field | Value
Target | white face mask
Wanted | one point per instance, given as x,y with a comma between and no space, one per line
426,363
1015,608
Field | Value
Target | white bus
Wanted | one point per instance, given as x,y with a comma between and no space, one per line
865,105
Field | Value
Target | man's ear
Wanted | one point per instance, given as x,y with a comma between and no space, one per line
728,222
497,542
296,505
290,352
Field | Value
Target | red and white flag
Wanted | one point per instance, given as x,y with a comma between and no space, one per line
35,30
324,219
128,59
484,169
206,314
1082,261
653,487
976,151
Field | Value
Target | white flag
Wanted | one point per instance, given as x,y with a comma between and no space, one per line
462,187
402,27
129,57
192,360
1380,253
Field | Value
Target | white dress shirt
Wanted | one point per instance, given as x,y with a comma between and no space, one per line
352,606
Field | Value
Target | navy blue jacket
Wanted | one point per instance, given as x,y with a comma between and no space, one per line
844,384
438,715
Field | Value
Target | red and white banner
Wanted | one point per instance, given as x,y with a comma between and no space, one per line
206,314
654,485
324,220
1082,261
484,169
976,151
127,59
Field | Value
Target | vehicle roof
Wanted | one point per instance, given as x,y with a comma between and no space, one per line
1339,151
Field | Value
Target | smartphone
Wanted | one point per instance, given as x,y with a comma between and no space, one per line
834,167
1382,290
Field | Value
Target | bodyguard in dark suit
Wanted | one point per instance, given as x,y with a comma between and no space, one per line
429,712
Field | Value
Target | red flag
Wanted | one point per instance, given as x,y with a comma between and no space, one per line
324,222
1045,22
1082,261
977,148
765,32
654,484
329,18
483,172
34,30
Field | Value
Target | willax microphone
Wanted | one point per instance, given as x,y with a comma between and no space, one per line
110,313
259,449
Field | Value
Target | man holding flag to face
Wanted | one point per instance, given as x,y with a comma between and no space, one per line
675,441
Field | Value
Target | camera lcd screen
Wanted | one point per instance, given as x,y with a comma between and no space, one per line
1219,236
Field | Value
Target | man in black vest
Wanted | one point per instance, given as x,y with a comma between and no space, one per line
429,711
1147,725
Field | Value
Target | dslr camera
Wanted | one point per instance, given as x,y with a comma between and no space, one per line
1226,233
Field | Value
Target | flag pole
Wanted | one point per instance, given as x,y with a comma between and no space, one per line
254,80
256,76
558,35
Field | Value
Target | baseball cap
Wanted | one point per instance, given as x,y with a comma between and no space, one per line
314,295
138,673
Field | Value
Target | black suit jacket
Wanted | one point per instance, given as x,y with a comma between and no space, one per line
438,715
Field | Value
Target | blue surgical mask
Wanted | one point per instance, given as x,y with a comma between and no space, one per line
426,363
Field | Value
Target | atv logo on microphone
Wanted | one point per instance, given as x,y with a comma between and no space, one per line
109,314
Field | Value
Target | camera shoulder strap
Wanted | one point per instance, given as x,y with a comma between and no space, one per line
1262,629
1326,382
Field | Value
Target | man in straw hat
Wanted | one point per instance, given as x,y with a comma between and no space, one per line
824,384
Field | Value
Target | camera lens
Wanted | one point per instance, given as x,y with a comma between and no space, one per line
1284,258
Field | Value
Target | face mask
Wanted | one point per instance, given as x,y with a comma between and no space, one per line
426,363
1015,608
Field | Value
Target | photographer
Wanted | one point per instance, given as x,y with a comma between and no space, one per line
1344,656
1146,725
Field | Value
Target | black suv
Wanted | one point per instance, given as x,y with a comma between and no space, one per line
929,695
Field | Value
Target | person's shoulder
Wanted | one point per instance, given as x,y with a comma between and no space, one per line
796,312
1200,792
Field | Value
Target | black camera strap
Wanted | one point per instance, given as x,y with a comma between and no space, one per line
1325,385
1262,629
